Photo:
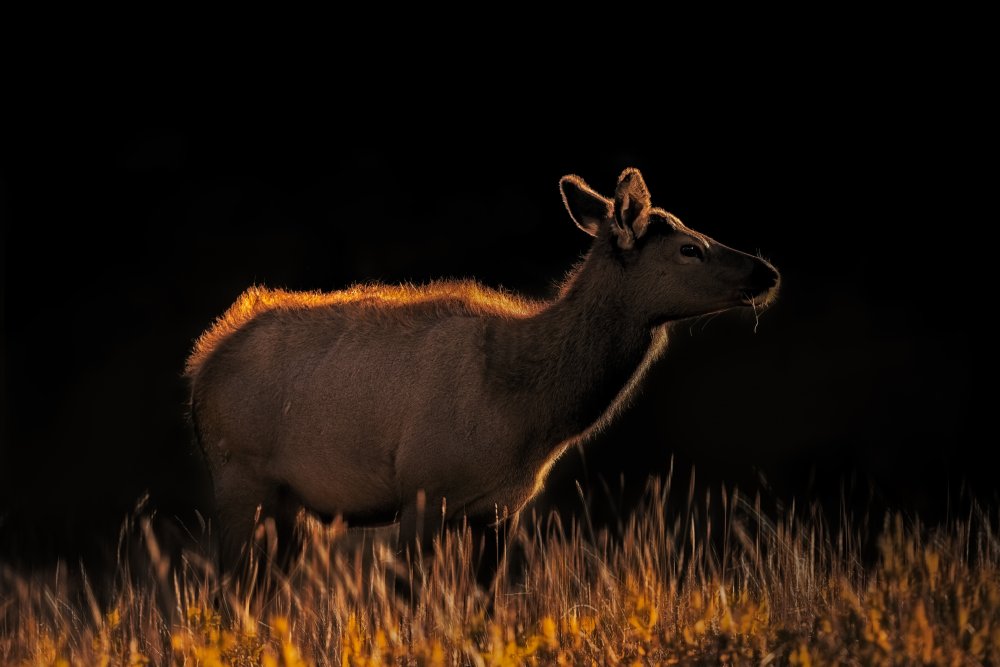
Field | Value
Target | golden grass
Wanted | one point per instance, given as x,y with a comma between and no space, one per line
790,591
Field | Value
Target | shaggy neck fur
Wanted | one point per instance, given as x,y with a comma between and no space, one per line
575,362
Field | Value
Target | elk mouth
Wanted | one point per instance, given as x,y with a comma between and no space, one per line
758,297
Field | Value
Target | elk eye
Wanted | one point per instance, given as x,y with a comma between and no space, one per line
692,251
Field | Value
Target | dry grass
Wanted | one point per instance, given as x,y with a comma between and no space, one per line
786,592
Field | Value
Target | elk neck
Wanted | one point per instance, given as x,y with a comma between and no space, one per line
570,366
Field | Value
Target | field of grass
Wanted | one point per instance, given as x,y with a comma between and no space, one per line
666,587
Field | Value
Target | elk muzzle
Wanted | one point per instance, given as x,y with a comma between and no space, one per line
762,284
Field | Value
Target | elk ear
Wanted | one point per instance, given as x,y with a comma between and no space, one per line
632,205
588,209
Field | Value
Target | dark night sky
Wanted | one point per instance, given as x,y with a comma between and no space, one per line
124,237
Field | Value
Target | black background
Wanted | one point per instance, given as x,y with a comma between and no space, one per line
124,236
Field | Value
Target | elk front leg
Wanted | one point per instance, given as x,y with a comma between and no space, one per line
496,550
419,523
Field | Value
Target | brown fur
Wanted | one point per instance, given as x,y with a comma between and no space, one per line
442,298
356,403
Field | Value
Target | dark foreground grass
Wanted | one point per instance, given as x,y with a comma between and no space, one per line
669,588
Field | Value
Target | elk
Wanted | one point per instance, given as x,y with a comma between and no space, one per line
375,402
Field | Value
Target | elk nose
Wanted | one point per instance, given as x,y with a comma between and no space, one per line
763,277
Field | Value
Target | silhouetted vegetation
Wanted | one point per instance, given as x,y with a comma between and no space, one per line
666,586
